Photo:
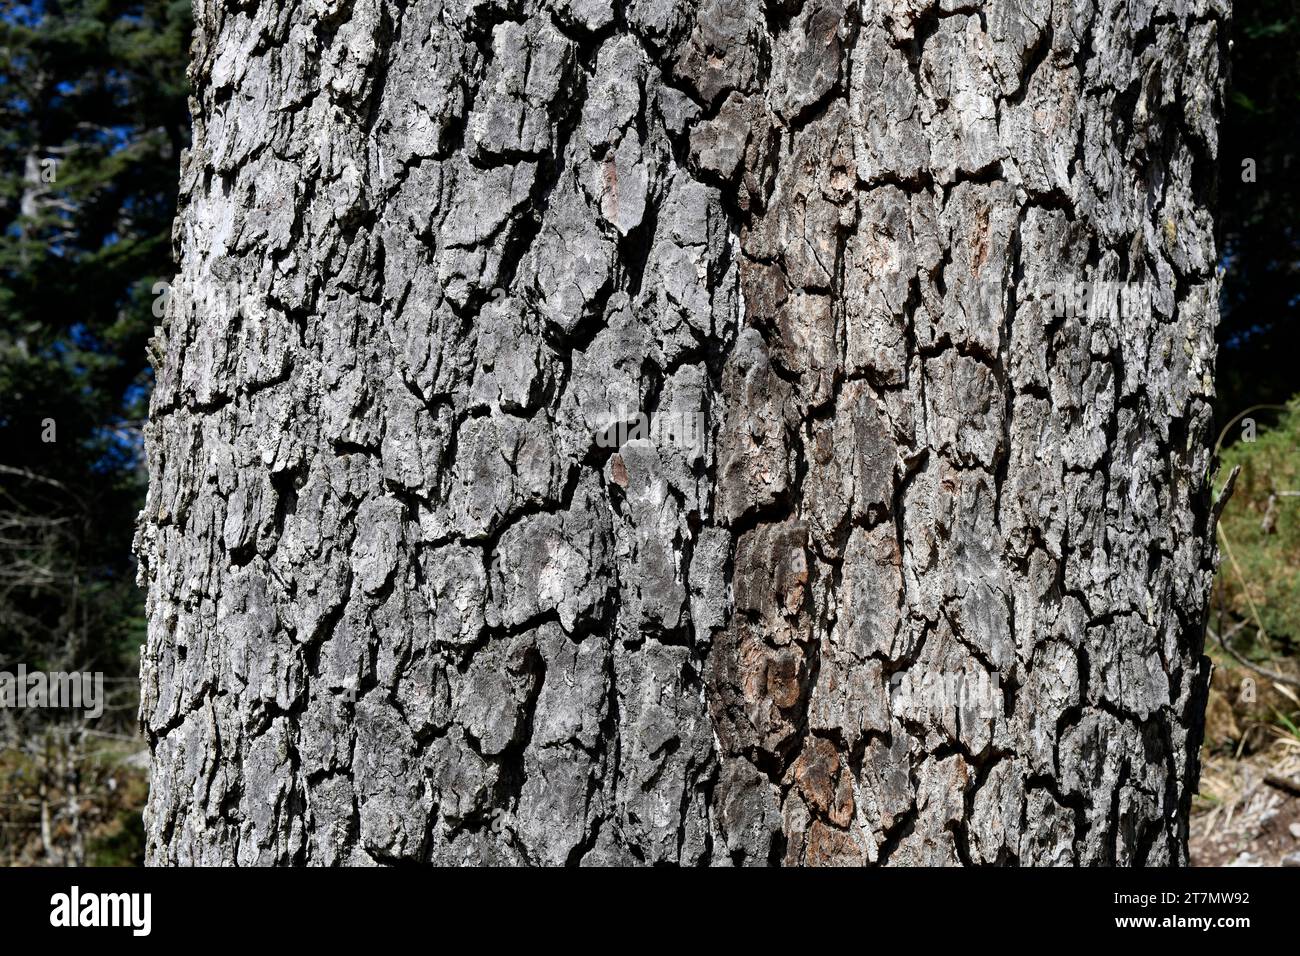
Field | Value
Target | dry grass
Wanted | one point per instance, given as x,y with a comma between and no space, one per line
1244,814
37,825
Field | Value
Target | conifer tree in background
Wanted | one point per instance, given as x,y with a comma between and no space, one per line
93,118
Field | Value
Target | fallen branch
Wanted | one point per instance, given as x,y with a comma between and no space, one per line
1283,783
1261,671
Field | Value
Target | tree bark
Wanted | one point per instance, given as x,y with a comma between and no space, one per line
442,569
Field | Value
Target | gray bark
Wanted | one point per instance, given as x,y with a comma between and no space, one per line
421,590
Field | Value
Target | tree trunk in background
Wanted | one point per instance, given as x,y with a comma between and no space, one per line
423,583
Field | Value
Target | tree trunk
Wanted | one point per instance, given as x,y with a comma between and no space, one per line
669,432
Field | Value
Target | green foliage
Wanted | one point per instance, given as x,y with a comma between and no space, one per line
93,118
1260,527
121,840
123,845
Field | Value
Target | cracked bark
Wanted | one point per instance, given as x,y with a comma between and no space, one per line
420,589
